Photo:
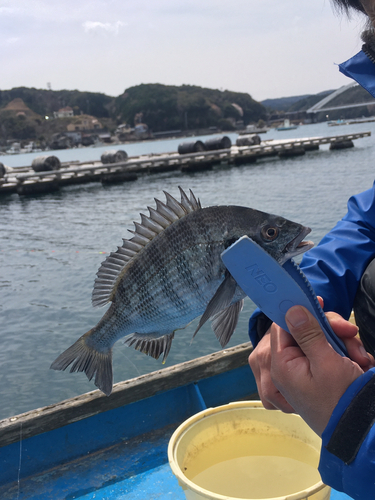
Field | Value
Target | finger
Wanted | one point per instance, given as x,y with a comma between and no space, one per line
357,352
283,345
284,339
270,396
348,333
321,301
342,328
307,332
280,403
260,364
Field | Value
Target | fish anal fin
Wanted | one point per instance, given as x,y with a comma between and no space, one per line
84,358
221,300
224,322
148,344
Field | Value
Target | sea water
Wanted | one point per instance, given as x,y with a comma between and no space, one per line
255,466
51,247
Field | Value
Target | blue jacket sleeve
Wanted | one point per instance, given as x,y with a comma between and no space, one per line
347,460
335,267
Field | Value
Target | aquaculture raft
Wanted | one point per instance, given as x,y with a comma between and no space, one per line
27,181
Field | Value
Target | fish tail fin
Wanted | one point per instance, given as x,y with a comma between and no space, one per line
88,360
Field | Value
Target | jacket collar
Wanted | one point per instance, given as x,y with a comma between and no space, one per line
361,69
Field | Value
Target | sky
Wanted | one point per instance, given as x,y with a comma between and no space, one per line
266,48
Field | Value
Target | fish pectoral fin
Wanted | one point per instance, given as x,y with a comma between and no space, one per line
224,322
221,300
150,345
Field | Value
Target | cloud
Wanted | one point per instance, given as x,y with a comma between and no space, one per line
98,27
11,40
7,10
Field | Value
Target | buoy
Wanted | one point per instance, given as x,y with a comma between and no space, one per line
295,151
114,156
248,140
42,186
216,143
45,163
191,147
116,177
344,144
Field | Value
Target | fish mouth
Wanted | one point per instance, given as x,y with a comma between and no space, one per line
298,245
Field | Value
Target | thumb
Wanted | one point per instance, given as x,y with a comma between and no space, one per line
306,331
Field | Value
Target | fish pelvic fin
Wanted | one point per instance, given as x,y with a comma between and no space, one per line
84,358
224,323
151,346
223,314
165,214
220,301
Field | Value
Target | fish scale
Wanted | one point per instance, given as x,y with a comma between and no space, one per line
171,272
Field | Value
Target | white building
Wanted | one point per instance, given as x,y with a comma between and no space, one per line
63,112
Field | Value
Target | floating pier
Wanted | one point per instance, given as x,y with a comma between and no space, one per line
25,180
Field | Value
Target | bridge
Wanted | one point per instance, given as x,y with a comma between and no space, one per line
321,106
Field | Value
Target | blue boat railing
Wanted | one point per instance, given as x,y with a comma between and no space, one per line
83,443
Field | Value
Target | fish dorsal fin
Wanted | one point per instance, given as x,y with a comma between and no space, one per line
159,219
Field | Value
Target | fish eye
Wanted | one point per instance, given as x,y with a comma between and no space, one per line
269,233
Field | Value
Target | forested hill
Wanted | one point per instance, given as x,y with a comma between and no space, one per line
187,107
44,102
161,107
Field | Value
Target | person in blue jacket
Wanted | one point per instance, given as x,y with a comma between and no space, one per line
301,372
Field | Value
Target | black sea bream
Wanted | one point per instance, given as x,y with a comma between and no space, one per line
169,273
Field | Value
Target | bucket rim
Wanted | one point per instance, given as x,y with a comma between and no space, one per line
186,483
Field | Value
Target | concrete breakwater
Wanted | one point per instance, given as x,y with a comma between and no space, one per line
26,180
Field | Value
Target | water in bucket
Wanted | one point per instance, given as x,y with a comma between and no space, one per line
242,451
266,474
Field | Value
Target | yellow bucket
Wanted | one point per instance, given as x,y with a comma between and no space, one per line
242,451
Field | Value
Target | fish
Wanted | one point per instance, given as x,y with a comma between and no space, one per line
169,273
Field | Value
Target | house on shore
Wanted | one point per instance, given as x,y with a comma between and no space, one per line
66,112
84,122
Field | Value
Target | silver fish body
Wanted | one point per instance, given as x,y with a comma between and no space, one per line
169,273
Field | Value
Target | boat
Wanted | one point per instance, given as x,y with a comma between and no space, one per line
286,126
28,148
335,123
14,149
253,129
94,446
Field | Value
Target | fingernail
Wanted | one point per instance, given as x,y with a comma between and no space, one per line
363,351
296,316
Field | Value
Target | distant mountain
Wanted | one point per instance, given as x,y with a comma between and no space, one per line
282,103
294,103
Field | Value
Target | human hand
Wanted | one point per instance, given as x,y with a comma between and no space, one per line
306,370
260,364
260,361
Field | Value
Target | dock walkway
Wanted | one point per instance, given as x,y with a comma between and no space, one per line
25,181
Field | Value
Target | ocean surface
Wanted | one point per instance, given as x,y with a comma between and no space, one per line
51,247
